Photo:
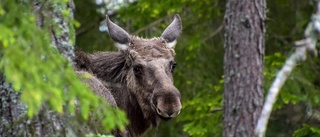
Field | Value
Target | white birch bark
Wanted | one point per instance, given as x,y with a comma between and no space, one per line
303,47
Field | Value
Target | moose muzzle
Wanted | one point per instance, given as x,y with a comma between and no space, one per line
167,103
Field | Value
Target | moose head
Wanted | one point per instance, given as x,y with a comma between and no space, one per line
149,69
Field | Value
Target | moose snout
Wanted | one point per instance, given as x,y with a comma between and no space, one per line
168,114
168,105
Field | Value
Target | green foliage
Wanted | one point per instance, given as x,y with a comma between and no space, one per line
35,67
89,38
298,87
200,55
201,111
307,131
274,63
98,135
285,27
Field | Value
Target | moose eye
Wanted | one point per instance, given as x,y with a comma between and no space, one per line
137,69
173,66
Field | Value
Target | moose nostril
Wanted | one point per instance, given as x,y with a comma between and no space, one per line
170,113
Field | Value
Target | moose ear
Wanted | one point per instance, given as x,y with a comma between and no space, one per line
173,31
118,35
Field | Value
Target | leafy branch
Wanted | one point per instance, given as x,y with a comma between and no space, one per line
304,46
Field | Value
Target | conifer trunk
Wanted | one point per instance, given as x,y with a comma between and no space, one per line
243,66
13,113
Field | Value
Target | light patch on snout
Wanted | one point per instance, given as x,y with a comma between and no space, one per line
168,109
166,115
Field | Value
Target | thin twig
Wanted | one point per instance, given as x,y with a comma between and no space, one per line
92,24
215,32
303,47
214,110
88,27
151,25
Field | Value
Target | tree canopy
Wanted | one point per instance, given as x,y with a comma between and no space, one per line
31,61
41,74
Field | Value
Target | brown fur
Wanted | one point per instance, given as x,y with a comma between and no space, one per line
135,95
97,86
139,76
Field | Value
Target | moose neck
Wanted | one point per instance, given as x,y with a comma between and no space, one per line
109,67
136,116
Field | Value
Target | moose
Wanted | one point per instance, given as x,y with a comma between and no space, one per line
139,76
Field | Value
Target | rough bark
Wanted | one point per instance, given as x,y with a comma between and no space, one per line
11,110
243,66
13,113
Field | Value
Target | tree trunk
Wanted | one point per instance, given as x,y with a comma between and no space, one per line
13,113
243,66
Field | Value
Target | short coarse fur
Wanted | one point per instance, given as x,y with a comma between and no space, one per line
139,76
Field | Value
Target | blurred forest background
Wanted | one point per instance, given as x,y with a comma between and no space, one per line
199,73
